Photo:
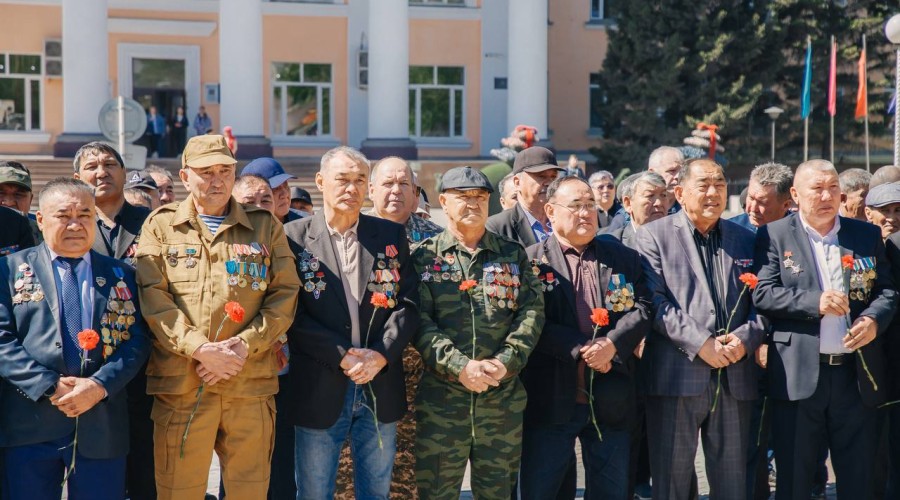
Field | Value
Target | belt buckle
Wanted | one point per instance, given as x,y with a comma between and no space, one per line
835,359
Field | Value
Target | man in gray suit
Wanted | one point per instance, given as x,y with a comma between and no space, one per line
53,292
697,374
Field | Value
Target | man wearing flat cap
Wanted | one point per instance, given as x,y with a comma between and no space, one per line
15,193
527,223
213,375
482,311
883,210
301,200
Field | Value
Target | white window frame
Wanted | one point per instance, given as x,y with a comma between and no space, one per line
282,113
39,77
417,104
601,8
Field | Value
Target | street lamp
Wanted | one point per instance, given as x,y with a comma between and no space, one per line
892,31
774,112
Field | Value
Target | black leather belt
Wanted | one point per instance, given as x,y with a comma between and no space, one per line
833,359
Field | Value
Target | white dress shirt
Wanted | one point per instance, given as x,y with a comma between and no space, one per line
827,253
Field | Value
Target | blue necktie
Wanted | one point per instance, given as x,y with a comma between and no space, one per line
71,315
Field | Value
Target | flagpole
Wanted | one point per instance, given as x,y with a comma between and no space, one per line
866,79
806,118
830,76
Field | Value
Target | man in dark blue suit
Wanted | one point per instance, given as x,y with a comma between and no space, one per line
825,283
55,291
696,365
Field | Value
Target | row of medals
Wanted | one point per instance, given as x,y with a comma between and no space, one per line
861,283
548,281
502,284
309,264
620,298
386,279
250,266
114,324
26,289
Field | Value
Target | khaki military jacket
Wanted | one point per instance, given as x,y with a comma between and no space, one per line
186,276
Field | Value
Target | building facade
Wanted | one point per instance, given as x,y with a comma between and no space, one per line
433,78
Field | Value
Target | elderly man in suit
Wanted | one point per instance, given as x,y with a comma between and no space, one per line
645,198
355,317
826,284
580,274
533,170
697,374
56,291
118,229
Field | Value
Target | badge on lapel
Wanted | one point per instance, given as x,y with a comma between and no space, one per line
385,278
27,289
312,280
789,263
548,280
619,294
745,263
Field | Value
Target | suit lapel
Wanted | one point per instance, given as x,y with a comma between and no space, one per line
39,260
803,256
126,237
318,243
558,262
98,268
729,248
685,237
368,247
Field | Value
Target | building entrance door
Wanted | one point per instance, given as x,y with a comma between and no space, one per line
160,83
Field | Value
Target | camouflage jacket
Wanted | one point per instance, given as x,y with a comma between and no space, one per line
501,316
419,228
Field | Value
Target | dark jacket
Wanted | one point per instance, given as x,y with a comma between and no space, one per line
512,224
130,219
791,302
16,234
31,349
321,333
550,375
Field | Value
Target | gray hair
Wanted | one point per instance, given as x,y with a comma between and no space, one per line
774,174
64,185
501,186
96,147
409,171
352,153
815,165
559,181
629,185
854,179
156,169
884,175
658,154
596,176
138,197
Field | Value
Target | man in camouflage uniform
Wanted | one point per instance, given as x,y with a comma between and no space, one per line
482,312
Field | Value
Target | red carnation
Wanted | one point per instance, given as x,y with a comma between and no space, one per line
600,316
847,261
234,311
467,284
379,300
750,280
88,339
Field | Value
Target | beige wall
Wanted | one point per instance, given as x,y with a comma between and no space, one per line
575,52
451,43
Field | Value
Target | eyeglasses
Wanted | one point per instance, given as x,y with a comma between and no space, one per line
604,186
579,208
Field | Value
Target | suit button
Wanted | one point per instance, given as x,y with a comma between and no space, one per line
712,311
346,327
58,345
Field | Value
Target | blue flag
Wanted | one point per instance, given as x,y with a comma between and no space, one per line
807,83
892,106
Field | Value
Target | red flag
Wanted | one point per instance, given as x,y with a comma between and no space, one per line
832,81
862,94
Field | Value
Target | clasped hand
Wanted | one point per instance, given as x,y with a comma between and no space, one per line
479,376
362,365
220,360
75,395
721,351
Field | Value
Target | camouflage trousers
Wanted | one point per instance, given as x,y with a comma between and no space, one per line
445,441
403,478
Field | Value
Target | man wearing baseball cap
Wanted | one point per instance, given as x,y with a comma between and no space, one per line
470,402
301,200
143,181
15,193
534,169
269,168
213,375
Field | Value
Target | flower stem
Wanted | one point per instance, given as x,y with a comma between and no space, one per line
187,427
727,329
591,390
862,359
718,388
762,416
374,408
71,469
474,339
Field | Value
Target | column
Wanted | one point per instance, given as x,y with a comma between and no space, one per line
388,104
241,75
85,62
526,102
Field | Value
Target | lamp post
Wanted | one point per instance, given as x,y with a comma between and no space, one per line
774,112
892,31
